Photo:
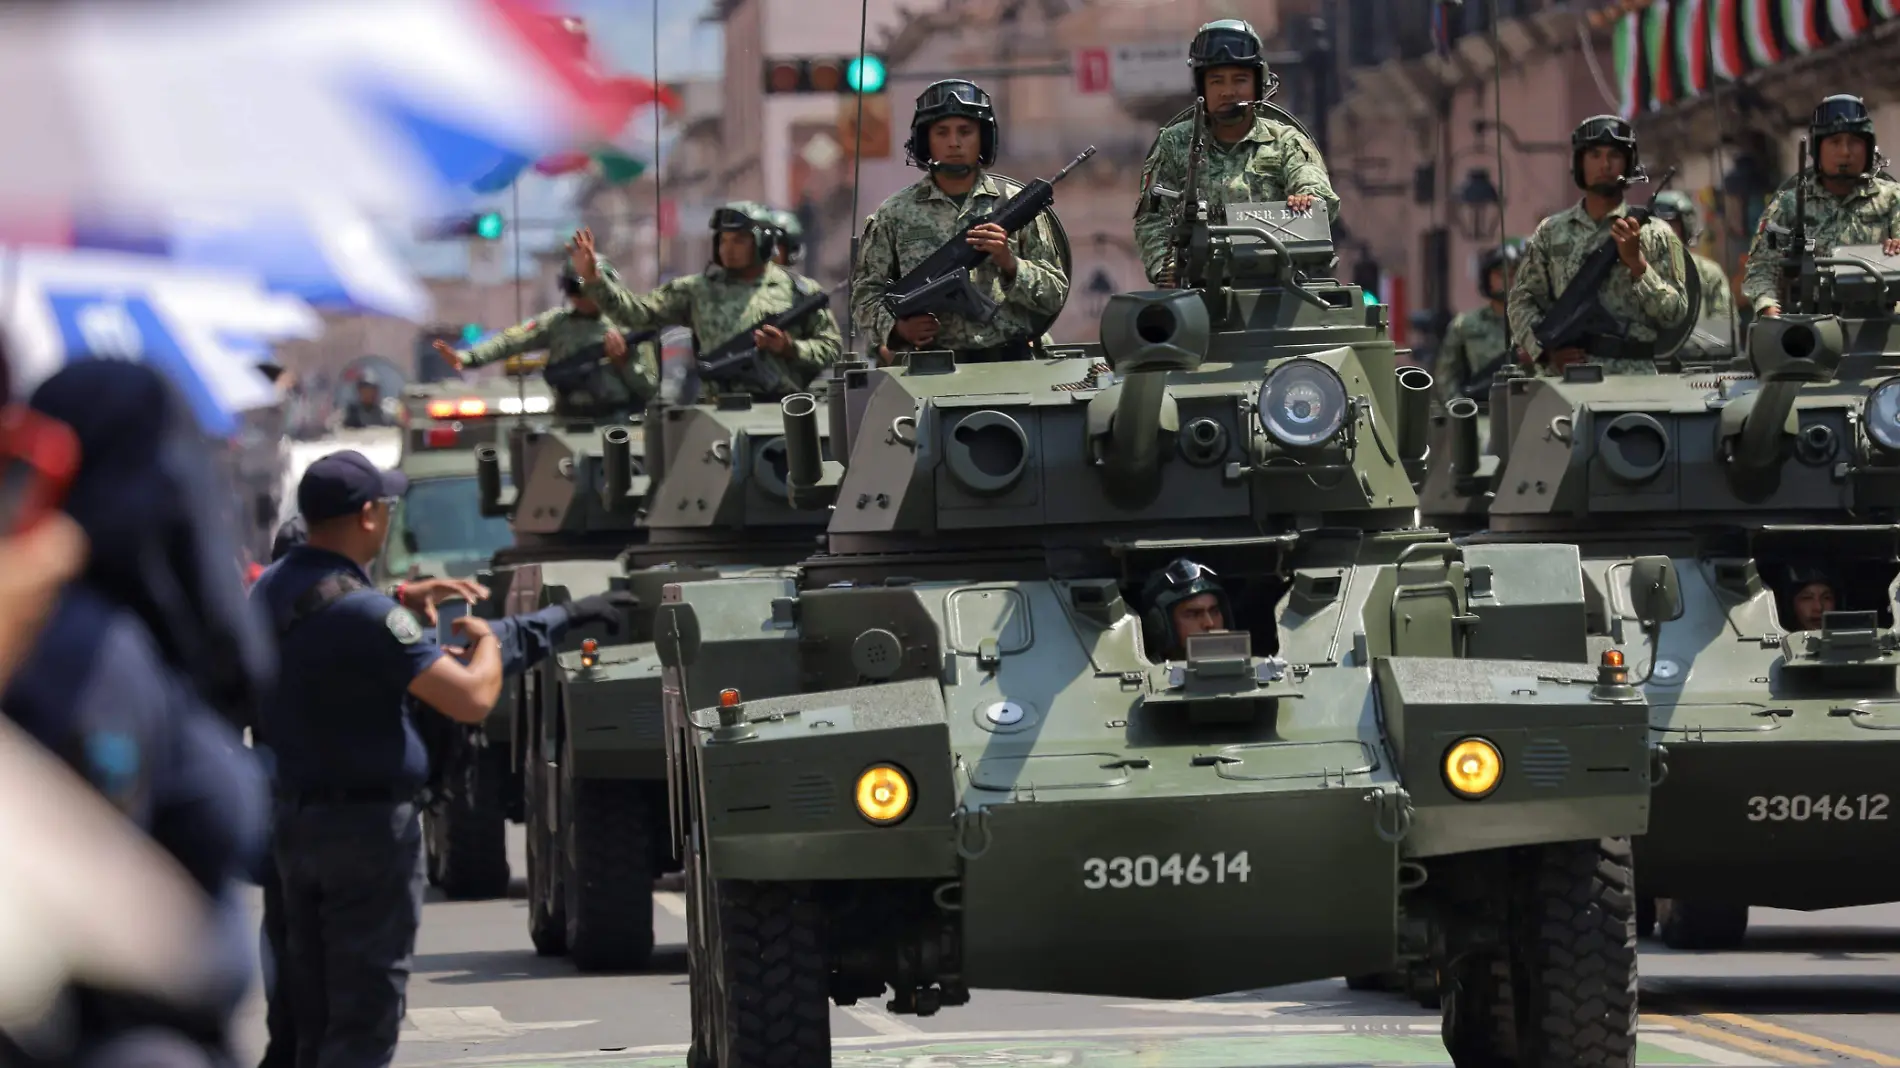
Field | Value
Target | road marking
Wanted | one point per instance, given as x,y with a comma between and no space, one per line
1707,1051
671,902
1211,1008
1742,1042
882,1022
475,1022
1802,1037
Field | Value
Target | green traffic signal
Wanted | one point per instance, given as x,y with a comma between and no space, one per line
865,74
488,225
471,333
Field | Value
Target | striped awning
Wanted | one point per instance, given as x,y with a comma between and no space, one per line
1671,51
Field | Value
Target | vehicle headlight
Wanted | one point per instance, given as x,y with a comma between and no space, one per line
1473,768
1302,402
884,794
1882,415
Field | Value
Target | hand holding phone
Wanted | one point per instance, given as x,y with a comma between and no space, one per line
446,613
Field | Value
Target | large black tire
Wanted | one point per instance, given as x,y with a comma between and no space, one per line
1563,994
607,842
1703,925
772,987
547,909
468,829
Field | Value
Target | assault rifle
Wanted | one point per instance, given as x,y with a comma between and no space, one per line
1190,207
572,376
741,349
941,284
1797,274
1578,319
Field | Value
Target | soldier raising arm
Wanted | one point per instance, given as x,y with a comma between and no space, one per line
1250,159
741,287
1848,203
1644,290
954,138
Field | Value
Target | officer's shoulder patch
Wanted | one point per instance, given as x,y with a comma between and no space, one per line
403,624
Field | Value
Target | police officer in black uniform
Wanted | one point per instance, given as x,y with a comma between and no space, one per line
346,727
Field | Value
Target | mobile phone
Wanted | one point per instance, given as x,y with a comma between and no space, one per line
446,613
39,456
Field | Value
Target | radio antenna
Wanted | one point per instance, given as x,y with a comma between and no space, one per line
857,176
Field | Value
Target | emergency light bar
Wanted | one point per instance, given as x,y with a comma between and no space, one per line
463,408
514,405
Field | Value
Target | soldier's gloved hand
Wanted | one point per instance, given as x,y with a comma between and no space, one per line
602,608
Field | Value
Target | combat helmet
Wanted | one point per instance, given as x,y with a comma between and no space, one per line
1230,43
942,99
1506,255
790,235
1837,114
1673,204
1180,580
1604,130
743,215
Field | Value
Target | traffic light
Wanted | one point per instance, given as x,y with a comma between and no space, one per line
487,225
472,333
826,74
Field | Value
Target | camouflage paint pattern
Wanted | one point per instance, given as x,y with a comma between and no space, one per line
915,222
1273,161
1473,340
716,308
1557,250
1867,216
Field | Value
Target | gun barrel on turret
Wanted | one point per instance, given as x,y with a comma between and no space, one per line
804,463
488,480
616,467
1463,412
1415,416
1134,449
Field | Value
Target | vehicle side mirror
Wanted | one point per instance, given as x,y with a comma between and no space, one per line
1655,593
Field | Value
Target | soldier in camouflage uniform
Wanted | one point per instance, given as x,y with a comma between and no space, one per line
1644,290
739,288
788,245
579,331
1678,210
954,138
1250,159
1476,343
1848,202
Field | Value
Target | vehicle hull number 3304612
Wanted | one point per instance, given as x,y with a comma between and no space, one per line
1800,808
1120,873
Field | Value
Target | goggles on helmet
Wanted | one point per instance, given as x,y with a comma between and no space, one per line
950,94
1839,111
1185,572
1604,129
1226,46
731,219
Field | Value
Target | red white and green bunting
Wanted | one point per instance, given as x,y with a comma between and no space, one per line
1677,49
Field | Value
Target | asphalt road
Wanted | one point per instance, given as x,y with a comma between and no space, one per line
1808,989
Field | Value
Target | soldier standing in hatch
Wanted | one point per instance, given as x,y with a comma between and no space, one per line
1644,290
788,247
954,139
1476,343
571,333
739,288
1848,202
1678,210
1250,159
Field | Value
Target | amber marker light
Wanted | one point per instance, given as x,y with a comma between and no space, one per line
884,794
590,652
1473,768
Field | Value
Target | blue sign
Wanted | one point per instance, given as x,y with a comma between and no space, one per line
117,326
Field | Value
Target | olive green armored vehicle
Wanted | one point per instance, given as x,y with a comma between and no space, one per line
953,751
438,529
1739,524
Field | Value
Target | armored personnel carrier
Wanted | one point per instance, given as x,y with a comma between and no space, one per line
953,751
1748,509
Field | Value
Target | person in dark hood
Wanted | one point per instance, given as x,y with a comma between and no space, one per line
150,659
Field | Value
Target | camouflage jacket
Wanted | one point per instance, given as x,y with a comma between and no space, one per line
1556,252
717,308
915,222
1272,162
1473,342
1867,216
1718,297
566,334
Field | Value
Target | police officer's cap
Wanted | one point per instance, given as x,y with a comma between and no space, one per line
342,483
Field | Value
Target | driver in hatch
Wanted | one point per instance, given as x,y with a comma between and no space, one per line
1810,596
1183,600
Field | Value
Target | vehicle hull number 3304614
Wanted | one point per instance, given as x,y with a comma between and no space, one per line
1120,873
1800,808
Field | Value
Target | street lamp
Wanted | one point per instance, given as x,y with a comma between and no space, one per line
1477,203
